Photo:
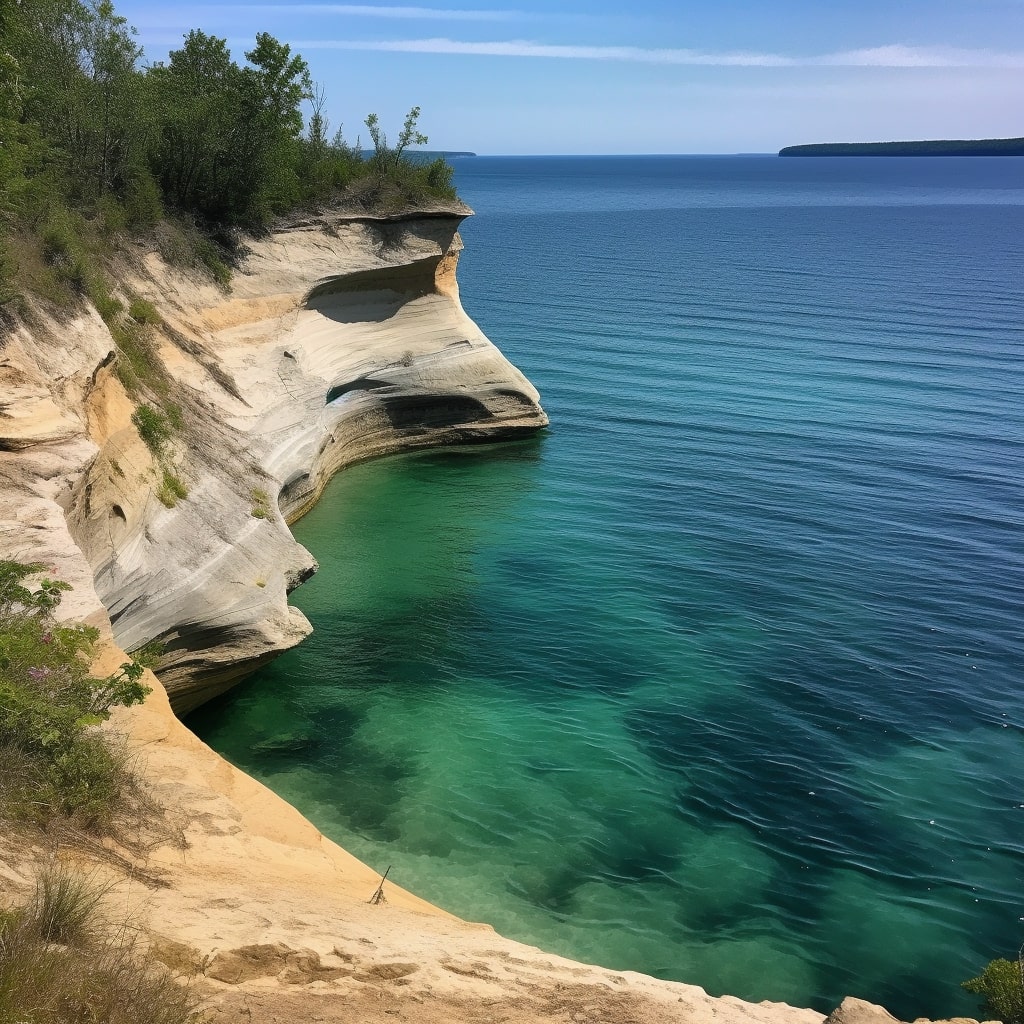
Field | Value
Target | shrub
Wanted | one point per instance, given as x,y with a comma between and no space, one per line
54,762
137,364
1001,984
111,217
149,654
8,273
438,179
61,243
211,257
106,305
144,312
142,203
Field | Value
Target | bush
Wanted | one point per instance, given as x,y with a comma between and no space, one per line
211,257
144,312
61,244
142,202
1001,984
137,364
8,273
149,654
54,762
106,305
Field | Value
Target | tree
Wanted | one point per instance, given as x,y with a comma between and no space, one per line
196,96
1001,984
387,158
229,136
49,703
81,88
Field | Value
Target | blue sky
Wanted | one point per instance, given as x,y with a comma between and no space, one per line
642,76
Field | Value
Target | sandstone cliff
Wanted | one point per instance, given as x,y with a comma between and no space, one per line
341,339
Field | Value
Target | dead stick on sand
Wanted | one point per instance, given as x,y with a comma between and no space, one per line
378,896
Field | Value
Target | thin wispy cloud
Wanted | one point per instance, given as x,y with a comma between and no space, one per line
372,11
893,56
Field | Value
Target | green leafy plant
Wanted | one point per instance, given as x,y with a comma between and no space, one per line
1001,985
386,158
149,654
53,759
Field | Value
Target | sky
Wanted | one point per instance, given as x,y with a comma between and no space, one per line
640,76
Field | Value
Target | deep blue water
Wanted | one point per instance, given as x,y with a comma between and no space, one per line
719,678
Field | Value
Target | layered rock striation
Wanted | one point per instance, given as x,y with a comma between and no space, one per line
342,338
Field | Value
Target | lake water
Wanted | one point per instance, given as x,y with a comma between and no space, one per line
719,679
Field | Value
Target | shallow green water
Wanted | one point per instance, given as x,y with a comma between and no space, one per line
719,679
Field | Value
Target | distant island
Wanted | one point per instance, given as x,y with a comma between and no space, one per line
934,147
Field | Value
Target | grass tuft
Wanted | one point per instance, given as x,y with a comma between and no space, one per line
153,428
63,908
260,503
60,963
144,312
172,490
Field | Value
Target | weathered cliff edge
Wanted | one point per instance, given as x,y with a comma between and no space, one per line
341,339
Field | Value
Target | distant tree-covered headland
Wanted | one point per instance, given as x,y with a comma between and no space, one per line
933,147
94,145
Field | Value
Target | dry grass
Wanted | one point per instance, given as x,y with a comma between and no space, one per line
62,963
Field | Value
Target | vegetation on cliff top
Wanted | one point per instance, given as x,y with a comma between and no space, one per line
94,146
1001,986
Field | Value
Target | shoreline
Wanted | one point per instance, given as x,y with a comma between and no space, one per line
267,910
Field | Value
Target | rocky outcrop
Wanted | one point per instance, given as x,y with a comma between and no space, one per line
341,339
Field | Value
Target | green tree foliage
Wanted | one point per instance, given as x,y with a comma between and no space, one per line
93,145
49,704
397,180
387,158
82,90
1001,985
229,136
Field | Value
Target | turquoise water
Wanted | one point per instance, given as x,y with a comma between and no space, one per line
719,678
